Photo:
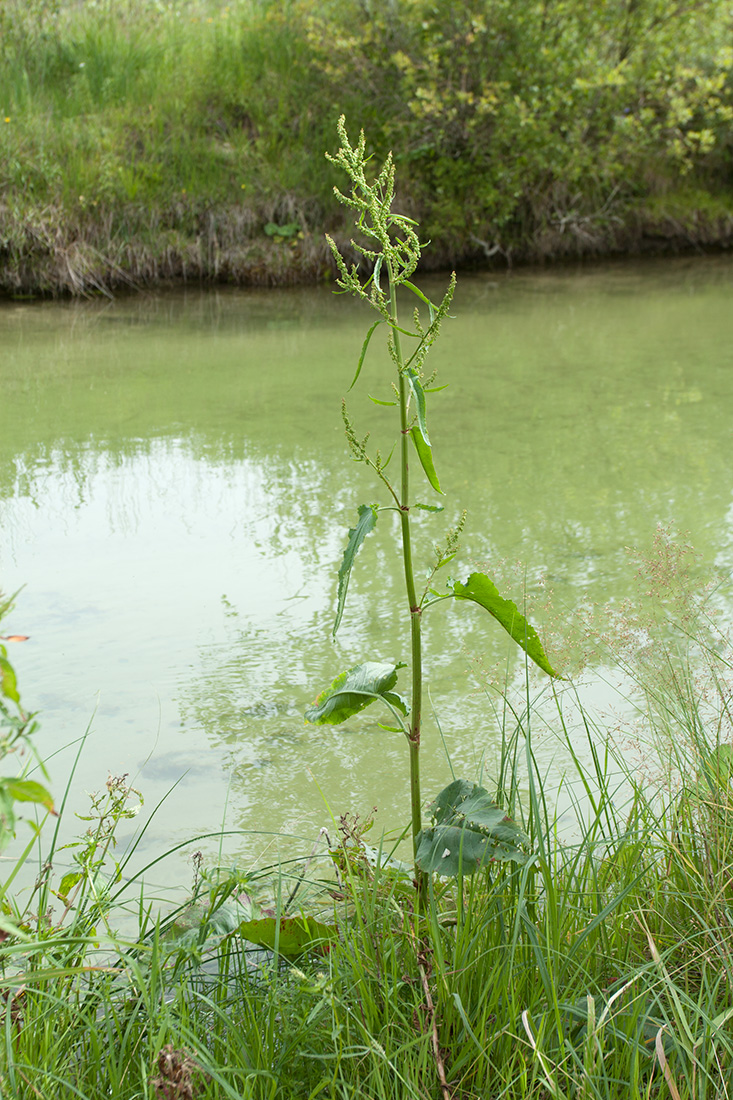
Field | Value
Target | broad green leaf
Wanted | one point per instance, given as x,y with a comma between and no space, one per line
367,522
479,589
364,347
292,935
27,790
68,882
351,692
398,701
420,405
429,507
469,831
8,682
425,454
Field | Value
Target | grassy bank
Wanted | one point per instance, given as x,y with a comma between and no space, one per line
148,141
601,966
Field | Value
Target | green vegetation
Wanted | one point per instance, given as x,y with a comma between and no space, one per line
601,967
148,140
589,956
469,830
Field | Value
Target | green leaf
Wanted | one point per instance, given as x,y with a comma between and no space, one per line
351,692
292,935
289,230
364,347
419,294
8,682
7,819
711,785
68,882
469,831
425,454
398,701
389,404
27,790
479,589
367,522
420,404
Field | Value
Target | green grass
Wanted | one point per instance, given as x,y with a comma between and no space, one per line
601,968
142,140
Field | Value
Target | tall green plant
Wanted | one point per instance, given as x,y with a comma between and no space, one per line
467,828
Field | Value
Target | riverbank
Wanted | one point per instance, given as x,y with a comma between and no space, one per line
597,963
51,254
152,143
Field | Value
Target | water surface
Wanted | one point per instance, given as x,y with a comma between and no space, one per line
175,493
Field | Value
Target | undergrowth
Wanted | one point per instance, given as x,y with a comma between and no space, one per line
152,140
601,967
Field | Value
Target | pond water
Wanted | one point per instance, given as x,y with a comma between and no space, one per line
175,493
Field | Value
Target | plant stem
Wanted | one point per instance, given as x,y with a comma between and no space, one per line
415,610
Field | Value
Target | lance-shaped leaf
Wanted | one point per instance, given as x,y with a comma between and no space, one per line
420,405
425,454
352,691
364,349
484,592
367,522
469,831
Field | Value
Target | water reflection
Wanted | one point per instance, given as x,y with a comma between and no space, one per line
174,493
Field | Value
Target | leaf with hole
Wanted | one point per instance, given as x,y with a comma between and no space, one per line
469,831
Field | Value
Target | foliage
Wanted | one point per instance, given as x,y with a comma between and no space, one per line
16,731
147,139
468,829
598,966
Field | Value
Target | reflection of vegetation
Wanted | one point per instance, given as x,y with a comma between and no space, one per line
602,967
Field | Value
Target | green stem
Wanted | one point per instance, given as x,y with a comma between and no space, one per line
415,611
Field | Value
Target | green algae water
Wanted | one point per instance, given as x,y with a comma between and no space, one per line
175,492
